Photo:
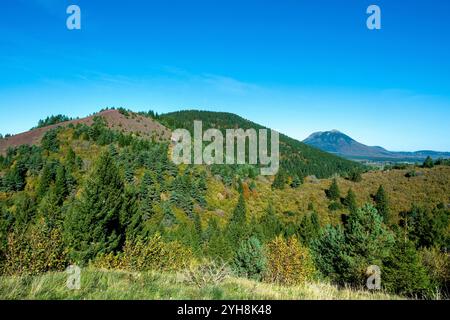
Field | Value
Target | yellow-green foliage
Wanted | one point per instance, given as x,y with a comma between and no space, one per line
288,262
35,251
438,265
154,254
428,189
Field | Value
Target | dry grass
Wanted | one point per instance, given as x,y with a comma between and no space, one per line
120,285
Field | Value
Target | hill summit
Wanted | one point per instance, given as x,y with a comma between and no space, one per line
341,144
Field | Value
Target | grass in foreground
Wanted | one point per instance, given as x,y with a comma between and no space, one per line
119,285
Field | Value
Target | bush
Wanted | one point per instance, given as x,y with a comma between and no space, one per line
428,163
154,254
35,251
335,206
288,263
355,176
250,260
437,264
207,273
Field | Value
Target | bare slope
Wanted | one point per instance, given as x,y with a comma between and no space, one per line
128,123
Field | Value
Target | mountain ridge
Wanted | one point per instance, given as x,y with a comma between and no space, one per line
339,143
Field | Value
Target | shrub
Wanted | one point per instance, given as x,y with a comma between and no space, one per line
428,163
153,254
288,263
355,176
250,260
36,251
207,273
437,264
335,206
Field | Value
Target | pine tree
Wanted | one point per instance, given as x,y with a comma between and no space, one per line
216,245
296,182
333,193
343,254
71,158
269,225
309,228
382,204
237,226
280,180
61,189
93,225
350,201
45,180
250,261
403,272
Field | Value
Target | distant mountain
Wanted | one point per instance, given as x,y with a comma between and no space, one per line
341,144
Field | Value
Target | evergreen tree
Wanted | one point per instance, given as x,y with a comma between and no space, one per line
382,204
403,272
93,225
237,226
344,254
50,209
333,193
269,225
280,180
45,179
216,245
350,201
61,188
355,176
296,182
309,228
71,159
428,163
250,261
50,141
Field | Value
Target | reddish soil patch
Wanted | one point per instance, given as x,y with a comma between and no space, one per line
133,123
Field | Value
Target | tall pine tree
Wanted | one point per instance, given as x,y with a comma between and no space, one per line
93,226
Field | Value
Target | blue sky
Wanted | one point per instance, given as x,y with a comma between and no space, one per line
296,66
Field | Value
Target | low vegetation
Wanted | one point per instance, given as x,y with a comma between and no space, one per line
112,203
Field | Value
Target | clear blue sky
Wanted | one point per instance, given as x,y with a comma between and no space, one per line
296,66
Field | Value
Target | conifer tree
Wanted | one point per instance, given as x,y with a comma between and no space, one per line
94,226
269,225
382,204
350,201
333,193
309,228
237,226
61,189
250,260
404,273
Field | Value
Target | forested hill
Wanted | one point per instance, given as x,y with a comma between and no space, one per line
297,158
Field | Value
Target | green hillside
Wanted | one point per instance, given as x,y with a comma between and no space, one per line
106,196
297,158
